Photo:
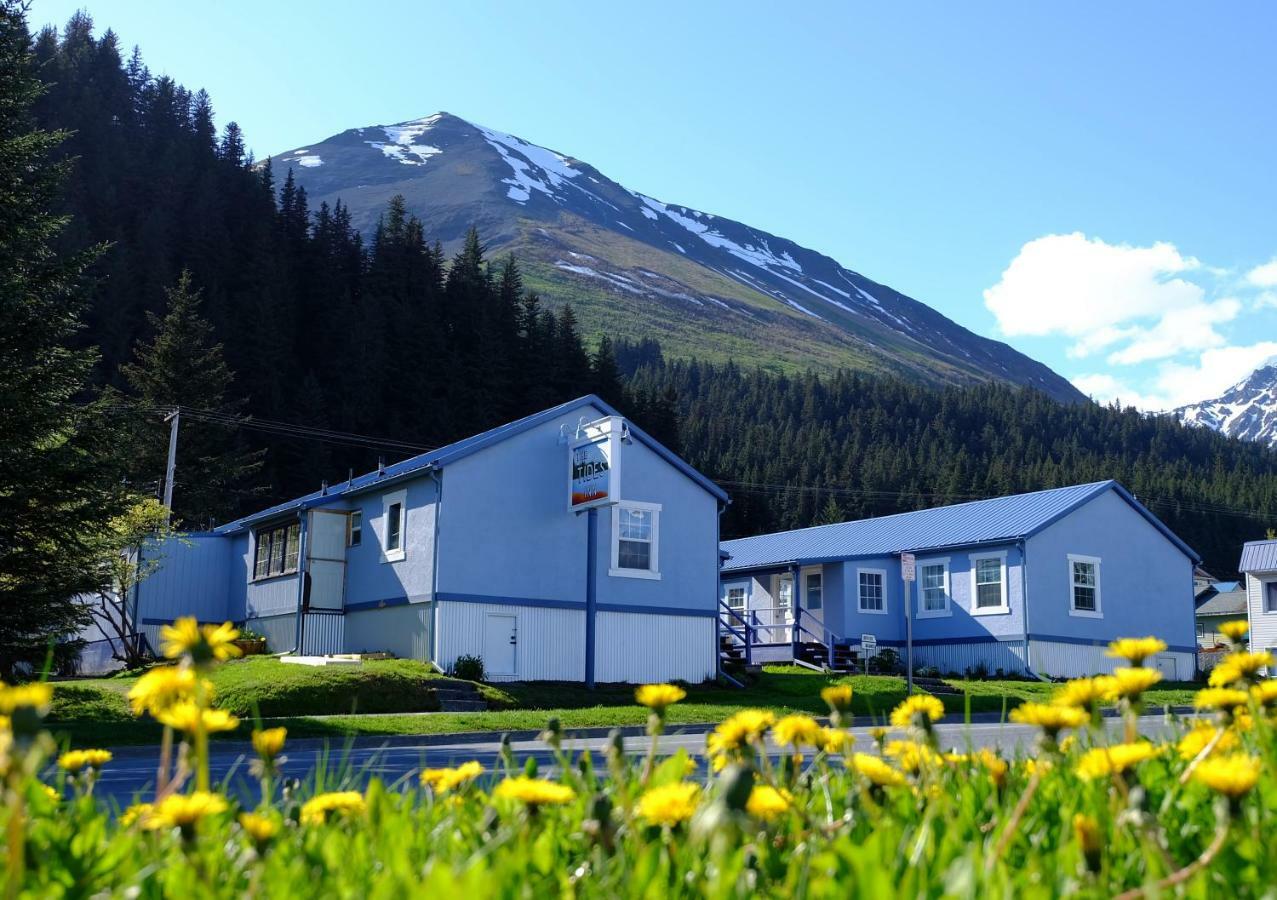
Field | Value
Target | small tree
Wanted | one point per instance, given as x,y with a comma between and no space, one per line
124,565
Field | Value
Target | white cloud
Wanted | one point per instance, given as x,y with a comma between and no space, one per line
1215,372
1104,388
1078,286
1190,328
1264,276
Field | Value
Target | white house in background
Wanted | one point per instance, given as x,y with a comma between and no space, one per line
1259,568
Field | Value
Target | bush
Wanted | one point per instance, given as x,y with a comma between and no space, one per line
468,667
886,662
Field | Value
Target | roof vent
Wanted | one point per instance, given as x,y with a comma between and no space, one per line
381,466
323,488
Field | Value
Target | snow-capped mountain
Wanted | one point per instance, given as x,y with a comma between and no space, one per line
635,266
1247,410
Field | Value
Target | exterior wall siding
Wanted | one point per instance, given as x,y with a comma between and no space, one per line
638,648
322,634
1068,660
280,631
1263,626
551,642
370,578
271,597
191,580
1005,655
1146,582
405,631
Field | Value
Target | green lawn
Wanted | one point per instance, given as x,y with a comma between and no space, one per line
336,701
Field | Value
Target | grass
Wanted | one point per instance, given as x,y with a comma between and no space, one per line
389,697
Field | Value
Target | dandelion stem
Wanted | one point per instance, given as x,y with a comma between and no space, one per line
1016,815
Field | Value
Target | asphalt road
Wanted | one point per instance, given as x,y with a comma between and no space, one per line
132,772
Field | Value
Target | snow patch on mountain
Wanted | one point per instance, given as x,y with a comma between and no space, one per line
1246,410
401,141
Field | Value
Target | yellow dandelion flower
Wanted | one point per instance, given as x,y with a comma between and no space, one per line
920,709
1114,760
1090,839
320,808
5,724
833,740
766,802
1265,693
658,696
1220,698
51,793
443,780
1238,666
135,813
877,771
75,761
36,695
202,643
1067,744
534,791
798,731
1050,718
1199,737
164,686
1231,775
268,742
186,716
1131,683
912,756
1234,630
1136,650
260,828
740,729
669,804
1086,693
837,696
185,810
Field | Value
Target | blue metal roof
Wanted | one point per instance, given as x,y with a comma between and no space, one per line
1259,556
998,520
437,459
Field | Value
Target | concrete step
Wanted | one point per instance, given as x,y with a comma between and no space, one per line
462,705
458,694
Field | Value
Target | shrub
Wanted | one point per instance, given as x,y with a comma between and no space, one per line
468,667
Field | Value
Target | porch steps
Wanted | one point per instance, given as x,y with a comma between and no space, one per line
935,686
815,654
459,696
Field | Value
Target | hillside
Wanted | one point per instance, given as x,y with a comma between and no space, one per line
637,267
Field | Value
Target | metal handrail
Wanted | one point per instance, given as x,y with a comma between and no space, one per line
745,637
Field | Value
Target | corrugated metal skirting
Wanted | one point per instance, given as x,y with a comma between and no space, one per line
642,647
322,634
1061,660
961,658
551,642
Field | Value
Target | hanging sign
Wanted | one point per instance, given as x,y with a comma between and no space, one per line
908,566
594,457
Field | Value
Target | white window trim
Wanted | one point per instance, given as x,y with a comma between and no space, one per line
387,501
729,586
1098,612
882,573
924,613
1264,584
813,570
614,570
1002,609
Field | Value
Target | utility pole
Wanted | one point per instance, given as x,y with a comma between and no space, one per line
173,419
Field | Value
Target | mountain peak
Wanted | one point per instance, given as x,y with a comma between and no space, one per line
633,266
1247,410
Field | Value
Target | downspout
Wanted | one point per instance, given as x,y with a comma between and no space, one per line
301,583
1024,600
434,573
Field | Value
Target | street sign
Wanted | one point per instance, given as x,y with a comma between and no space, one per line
594,464
908,566
868,642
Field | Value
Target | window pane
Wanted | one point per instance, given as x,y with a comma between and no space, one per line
355,534
1084,573
870,591
636,524
736,598
988,595
1084,598
394,523
933,597
634,555
292,547
815,598
988,571
262,554
277,551
1270,604
785,595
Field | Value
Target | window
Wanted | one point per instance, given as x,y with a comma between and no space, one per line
873,598
784,597
1270,597
635,547
394,524
814,590
1084,586
736,598
276,550
355,528
989,584
933,587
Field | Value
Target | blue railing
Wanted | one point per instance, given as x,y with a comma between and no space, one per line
745,634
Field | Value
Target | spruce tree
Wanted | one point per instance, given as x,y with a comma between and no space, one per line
181,366
56,492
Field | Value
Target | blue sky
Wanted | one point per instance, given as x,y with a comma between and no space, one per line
1091,182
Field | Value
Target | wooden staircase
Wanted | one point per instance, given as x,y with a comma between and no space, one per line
816,655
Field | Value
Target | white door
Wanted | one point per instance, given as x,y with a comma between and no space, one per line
785,600
326,559
500,640
1166,665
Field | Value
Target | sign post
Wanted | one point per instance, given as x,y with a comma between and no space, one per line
594,480
908,572
868,642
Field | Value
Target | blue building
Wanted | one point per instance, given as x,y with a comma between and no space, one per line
1035,583
476,549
